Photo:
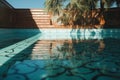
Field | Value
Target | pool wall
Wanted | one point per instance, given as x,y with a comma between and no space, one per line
59,33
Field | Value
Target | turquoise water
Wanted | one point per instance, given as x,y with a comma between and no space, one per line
60,56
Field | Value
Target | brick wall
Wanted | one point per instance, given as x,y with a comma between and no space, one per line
32,18
112,18
6,15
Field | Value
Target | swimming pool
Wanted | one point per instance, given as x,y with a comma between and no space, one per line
60,54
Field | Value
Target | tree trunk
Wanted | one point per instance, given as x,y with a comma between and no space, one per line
102,5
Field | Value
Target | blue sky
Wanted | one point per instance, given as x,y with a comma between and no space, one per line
27,3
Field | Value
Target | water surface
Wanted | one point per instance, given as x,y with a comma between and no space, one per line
72,56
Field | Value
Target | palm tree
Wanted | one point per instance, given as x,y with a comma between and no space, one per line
74,9
73,12
69,12
107,3
118,3
54,6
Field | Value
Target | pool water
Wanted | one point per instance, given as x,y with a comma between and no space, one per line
49,57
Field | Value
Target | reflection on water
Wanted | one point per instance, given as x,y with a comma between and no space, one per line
73,59
63,49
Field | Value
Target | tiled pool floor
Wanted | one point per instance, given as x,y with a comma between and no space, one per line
87,63
57,59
